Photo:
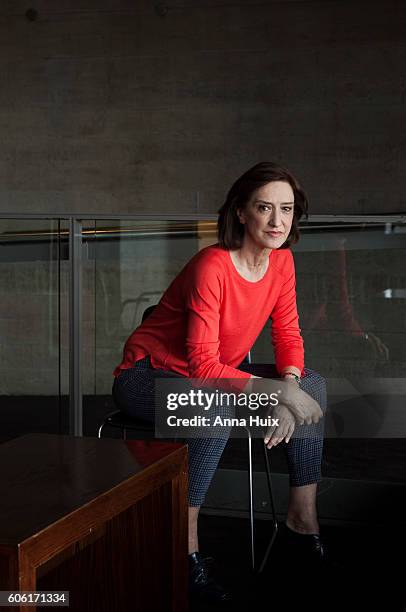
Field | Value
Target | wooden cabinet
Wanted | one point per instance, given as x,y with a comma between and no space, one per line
103,519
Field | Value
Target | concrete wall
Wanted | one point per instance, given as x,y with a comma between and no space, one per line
126,106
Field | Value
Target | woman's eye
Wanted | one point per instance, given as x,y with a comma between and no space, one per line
264,208
287,209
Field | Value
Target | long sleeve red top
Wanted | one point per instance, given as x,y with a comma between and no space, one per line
210,316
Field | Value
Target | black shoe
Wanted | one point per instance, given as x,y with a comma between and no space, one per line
309,549
308,546
201,583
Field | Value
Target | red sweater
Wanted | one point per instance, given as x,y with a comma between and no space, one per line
210,316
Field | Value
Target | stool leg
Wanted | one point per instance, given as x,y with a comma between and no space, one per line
275,522
251,498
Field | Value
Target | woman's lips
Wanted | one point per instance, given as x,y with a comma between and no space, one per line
274,234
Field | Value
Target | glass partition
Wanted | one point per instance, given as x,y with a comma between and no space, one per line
351,291
33,326
351,295
129,266
135,262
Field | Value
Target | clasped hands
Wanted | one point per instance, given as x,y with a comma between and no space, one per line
297,408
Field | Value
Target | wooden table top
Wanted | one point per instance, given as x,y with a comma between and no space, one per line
47,476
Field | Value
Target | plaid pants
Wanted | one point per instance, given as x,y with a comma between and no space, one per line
133,392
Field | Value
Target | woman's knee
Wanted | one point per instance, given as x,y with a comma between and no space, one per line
316,386
316,377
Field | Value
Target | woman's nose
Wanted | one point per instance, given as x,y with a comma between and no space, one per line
275,218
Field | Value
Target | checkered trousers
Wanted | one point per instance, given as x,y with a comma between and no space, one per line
134,390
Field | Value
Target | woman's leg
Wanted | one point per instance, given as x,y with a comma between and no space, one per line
193,542
304,454
134,393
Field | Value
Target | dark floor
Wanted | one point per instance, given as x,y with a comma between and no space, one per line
368,571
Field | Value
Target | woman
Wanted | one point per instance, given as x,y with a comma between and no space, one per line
205,324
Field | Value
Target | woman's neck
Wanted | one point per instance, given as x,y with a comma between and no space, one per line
252,258
251,265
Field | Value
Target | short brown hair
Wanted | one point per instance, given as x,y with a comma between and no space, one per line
230,230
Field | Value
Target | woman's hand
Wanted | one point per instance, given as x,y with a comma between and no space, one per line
304,408
284,430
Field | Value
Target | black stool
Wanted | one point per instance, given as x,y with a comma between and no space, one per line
121,420
124,422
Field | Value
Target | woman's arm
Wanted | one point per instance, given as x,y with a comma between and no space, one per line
202,295
285,332
289,351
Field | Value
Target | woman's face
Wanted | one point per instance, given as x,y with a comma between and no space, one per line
268,215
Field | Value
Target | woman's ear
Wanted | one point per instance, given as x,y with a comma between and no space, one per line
240,215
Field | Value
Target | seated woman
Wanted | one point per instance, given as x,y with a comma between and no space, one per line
205,324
